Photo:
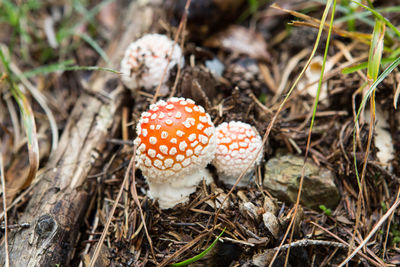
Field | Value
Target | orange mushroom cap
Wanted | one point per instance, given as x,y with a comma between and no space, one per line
175,137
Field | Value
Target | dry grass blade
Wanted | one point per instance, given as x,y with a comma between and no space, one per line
15,122
373,231
3,186
361,37
40,98
28,120
313,22
33,145
107,225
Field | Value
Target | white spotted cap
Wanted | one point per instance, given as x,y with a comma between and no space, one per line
237,146
175,139
145,60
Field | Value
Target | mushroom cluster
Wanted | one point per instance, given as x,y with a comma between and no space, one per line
146,59
175,142
237,146
176,139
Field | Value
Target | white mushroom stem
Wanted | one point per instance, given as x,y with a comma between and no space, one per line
177,189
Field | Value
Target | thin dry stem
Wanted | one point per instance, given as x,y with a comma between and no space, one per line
41,99
3,186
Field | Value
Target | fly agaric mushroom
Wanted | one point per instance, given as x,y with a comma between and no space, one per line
145,60
175,142
237,146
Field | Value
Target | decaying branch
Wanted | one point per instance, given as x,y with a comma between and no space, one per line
59,199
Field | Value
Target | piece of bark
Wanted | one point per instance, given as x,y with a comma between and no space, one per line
59,199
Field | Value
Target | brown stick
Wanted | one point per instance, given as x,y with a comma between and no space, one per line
59,199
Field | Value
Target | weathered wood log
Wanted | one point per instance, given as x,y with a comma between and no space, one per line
59,200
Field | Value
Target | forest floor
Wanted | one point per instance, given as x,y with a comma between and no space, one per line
242,60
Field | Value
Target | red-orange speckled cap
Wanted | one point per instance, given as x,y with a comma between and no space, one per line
237,146
175,137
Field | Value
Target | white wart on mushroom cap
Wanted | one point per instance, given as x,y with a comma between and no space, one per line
145,60
237,146
175,142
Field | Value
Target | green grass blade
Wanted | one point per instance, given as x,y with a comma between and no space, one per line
364,65
63,66
28,120
380,17
48,69
355,68
374,61
380,78
91,68
201,255
68,30
376,50
323,67
41,100
10,11
364,14
94,45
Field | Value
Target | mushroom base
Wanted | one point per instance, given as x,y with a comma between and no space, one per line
231,180
178,189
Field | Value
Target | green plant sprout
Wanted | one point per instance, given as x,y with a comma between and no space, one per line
199,256
325,210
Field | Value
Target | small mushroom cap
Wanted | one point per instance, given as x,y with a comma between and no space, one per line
145,60
237,145
174,139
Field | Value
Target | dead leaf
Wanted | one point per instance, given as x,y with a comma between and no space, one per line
241,40
102,260
395,260
343,219
382,139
